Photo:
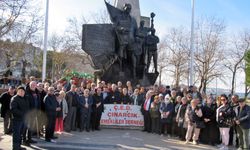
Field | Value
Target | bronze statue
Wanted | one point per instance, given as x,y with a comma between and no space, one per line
151,43
142,33
125,27
121,51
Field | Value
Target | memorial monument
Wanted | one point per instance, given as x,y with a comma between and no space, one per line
122,51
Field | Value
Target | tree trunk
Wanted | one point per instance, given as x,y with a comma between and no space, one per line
24,62
247,91
160,75
233,81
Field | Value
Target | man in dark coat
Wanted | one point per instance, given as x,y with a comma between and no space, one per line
146,109
210,134
234,104
72,99
5,109
18,106
243,124
114,96
50,109
86,102
35,106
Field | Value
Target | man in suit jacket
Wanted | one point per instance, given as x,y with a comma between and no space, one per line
50,109
86,102
243,124
145,110
72,100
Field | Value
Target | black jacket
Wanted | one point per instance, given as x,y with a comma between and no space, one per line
19,107
5,101
114,97
125,99
50,104
225,116
244,117
34,99
72,99
97,99
209,112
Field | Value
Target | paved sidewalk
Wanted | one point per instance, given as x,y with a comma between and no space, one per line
107,139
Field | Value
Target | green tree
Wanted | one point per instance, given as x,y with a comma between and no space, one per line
247,71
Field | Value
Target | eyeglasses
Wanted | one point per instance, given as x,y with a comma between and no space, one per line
222,99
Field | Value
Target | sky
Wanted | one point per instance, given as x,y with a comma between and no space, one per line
169,14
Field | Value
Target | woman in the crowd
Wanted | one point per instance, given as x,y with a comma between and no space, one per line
59,114
97,109
125,98
180,118
64,104
224,116
194,117
166,110
155,115
136,99
175,128
210,134
130,88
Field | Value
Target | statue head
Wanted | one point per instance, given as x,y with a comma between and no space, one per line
142,22
127,8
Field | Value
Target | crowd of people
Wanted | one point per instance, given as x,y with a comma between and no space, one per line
44,109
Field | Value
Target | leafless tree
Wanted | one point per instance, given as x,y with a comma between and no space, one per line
162,63
21,32
235,55
176,45
10,11
209,50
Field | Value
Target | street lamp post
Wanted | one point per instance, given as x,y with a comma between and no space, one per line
191,71
45,40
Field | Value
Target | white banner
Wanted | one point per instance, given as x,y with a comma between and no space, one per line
122,115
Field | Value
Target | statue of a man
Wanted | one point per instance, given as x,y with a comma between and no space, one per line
142,33
151,42
125,27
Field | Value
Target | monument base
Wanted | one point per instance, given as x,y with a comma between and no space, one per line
114,74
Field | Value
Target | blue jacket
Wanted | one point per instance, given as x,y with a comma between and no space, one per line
244,117
82,102
167,108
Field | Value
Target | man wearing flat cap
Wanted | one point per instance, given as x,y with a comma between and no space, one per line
18,106
243,124
5,99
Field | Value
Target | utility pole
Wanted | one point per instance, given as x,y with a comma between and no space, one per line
191,71
45,40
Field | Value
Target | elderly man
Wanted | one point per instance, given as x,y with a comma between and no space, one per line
72,99
50,110
86,102
243,124
146,109
18,106
234,104
5,109
35,106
